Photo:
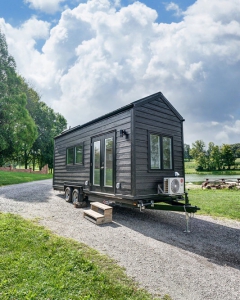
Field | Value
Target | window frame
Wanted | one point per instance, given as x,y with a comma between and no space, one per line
74,147
161,136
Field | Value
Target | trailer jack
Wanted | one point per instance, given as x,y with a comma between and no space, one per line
187,222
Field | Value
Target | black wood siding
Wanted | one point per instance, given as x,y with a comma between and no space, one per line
155,116
80,173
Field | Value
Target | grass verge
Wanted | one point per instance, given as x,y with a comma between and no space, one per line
35,264
217,203
7,178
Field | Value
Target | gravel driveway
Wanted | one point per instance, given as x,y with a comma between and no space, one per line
152,246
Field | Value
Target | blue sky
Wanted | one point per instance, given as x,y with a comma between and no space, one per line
16,11
86,58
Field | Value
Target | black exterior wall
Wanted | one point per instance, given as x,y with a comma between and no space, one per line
156,115
83,134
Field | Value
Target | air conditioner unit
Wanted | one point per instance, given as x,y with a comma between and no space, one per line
174,185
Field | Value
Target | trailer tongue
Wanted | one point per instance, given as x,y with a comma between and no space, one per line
172,204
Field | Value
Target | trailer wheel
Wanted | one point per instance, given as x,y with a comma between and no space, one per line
75,196
68,194
75,199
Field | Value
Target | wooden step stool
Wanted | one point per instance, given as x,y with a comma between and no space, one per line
99,213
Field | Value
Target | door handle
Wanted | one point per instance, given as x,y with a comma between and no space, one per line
102,167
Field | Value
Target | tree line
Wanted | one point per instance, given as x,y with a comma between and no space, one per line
27,124
214,157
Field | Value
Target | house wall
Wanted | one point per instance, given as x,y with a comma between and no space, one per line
155,116
80,173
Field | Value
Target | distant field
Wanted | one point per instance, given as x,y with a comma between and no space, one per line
7,178
190,168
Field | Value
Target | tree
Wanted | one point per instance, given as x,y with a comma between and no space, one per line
187,154
17,129
227,156
216,158
27,125
8,78
199,154
236,150
49,124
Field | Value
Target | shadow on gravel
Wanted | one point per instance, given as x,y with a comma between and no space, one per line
219,244
35,191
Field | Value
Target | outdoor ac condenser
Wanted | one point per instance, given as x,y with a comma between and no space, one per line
174,185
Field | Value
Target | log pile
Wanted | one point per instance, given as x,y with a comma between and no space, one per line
221,184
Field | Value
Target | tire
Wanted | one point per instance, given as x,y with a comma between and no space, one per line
75,196
68,194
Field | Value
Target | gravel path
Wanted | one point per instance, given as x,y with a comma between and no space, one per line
152,246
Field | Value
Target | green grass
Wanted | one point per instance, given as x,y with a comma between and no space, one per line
7,178
35,264
217,203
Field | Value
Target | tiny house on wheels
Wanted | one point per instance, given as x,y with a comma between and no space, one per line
133,156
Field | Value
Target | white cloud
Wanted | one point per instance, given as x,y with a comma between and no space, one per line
97,59
173,6
47,6
235,128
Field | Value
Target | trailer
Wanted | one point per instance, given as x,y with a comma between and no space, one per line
133,156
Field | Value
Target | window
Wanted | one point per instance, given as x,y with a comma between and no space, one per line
79,154
160,152
155,151
96,163
108,170
70,156
74,155
167,152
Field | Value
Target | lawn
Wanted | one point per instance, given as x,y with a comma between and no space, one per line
7,178
217,203
35,264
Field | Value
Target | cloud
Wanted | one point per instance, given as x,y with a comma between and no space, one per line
228,132
22,42
235,128
173,6
98,58
47,6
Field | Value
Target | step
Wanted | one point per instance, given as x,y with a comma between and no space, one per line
96,217
101,206
102,209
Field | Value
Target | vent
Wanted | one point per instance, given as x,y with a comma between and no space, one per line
174,185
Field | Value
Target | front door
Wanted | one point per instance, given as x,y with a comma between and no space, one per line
102,163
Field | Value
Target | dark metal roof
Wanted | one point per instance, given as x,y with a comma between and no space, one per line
126,107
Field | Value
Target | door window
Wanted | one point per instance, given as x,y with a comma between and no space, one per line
96,163
108,164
